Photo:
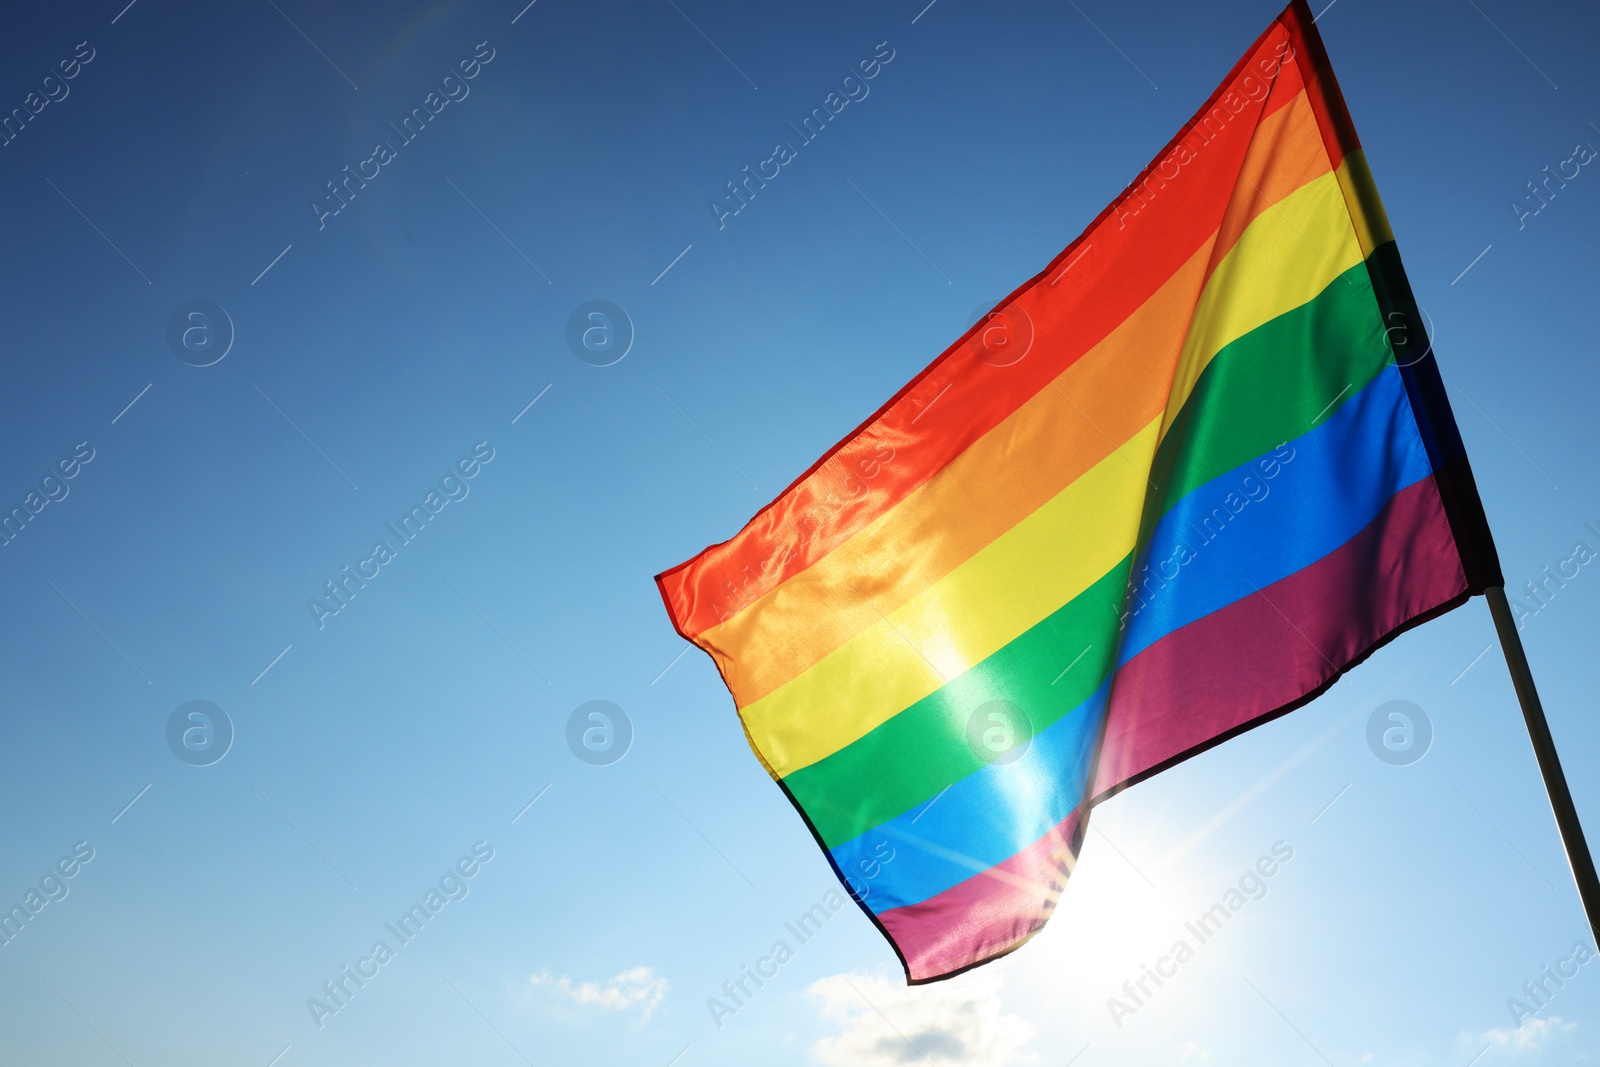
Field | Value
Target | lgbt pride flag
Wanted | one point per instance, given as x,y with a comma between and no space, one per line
1169,489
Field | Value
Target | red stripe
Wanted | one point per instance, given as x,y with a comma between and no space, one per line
1266,653
1338,130
985,916
1125,255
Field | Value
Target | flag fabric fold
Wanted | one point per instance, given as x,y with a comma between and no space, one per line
1169,489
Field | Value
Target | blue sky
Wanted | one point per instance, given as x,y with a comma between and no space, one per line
374,349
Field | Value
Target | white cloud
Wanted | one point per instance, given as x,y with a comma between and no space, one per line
1532,1034
636,988
881,1022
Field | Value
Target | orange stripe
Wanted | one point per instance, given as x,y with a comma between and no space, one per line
1308,53
1100,401
1129,252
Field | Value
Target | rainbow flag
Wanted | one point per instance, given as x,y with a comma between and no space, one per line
1169,489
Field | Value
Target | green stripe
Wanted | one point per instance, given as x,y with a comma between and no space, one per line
911,757
1261,390
1268,387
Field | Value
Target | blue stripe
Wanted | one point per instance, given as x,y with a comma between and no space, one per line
983,819
1338,477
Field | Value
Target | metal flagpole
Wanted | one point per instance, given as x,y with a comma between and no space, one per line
1544,748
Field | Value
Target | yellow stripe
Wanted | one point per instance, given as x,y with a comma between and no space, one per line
1287,256
1123,379
1361,196
1041,447
1010,585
